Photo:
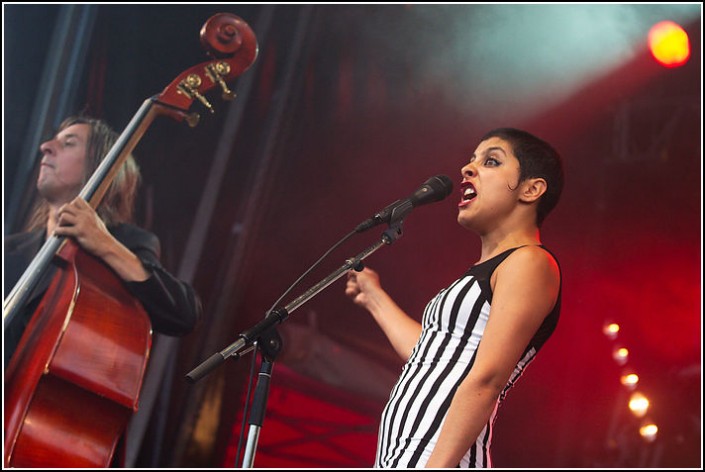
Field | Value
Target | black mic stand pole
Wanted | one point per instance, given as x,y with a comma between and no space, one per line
271,345
264,333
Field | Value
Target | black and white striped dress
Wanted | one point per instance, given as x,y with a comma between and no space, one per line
453,324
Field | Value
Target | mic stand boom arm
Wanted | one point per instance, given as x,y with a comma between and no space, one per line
277,315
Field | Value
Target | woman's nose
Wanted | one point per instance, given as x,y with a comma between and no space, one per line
467,171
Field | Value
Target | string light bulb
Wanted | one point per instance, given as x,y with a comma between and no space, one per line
638,404
629,379
648,430
610,329
620,355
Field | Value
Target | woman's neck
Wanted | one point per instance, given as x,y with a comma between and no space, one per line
498,242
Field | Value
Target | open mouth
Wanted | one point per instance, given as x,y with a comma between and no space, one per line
468,193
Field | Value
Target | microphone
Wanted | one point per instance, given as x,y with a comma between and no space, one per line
434,189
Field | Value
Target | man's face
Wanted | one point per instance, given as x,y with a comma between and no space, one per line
63,166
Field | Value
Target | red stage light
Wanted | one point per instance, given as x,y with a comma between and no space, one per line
669,44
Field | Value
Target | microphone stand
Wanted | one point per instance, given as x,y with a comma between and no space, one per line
266,337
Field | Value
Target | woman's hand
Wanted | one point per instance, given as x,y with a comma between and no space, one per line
361,285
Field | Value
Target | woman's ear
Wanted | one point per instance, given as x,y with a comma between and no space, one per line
532,189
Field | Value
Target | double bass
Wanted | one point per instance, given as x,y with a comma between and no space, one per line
74,381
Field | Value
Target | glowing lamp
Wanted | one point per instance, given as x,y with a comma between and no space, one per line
638,404
610,329
669,44
629,380
620,355
648,431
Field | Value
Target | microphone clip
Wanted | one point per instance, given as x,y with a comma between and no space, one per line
391,214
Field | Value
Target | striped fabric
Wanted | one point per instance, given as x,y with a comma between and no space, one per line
453,324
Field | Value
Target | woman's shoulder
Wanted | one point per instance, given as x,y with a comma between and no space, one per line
532,258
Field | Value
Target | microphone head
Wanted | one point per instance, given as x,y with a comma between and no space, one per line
434,189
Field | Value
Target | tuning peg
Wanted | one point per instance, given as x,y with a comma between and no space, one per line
189,87
192,119
216,71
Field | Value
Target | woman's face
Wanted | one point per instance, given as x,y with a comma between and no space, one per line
63,166
490,185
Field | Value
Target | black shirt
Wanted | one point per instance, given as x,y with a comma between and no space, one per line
172,305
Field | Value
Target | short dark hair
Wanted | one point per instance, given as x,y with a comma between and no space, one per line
118,203
536,158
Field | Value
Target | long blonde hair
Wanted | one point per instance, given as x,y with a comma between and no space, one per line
118,203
